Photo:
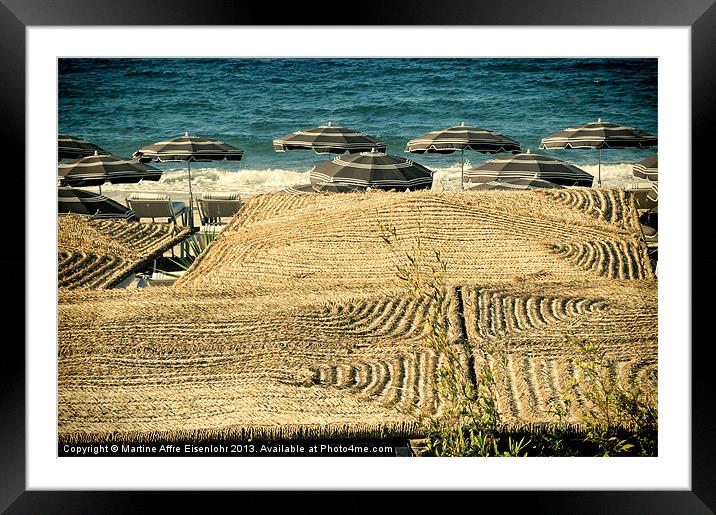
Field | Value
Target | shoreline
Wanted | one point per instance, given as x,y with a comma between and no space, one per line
122,192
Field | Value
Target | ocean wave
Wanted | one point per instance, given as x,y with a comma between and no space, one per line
255,181
245,181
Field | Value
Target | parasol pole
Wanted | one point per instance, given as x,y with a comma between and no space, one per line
191,199
462,168
191,196
99,185
462,163
599,165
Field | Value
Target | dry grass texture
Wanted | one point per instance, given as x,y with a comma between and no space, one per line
293,323
101,253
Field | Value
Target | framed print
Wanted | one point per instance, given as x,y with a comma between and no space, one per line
66,66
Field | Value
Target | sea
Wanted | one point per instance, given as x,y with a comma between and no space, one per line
123,105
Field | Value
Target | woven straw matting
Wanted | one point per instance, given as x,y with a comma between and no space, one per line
293,324
101,253
322,242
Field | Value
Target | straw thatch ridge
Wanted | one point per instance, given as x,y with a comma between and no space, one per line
293,324
95,253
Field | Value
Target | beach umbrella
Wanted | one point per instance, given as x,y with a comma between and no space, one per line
301,189
652,197
647,168
337,187
529,166
97,169
372,170
460,138
189,148
333,187
599,135
71,147
328,139
515,184
89,203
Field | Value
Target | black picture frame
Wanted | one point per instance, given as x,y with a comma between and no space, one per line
17,15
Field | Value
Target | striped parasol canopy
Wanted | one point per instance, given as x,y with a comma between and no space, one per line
189,148
515,184
300,189
87,203
71,147
460,138
372,170
599,135
529,166
653,196
97,169
328,139
333,187
647,168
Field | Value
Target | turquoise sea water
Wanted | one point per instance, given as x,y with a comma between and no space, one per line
125,104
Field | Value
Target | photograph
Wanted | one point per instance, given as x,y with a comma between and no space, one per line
316,256
419,257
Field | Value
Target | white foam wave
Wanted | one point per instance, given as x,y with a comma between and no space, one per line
252,181
618,175
613,175
245,181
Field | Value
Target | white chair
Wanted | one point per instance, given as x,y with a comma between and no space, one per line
215,205
157,205
645,194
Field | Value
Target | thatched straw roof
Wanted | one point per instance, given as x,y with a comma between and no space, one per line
293,324
101,253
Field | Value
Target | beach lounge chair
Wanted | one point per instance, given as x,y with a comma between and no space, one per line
644,195
651,234
157,205
215,205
